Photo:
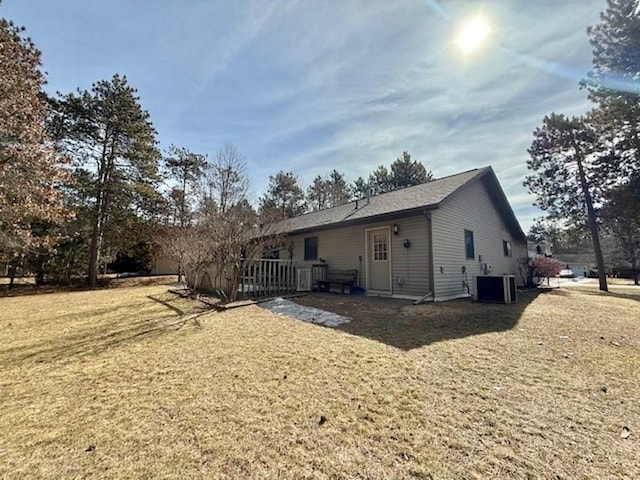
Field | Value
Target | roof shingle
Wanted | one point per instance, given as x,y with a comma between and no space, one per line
425,195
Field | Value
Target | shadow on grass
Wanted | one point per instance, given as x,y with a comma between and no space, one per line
401,324
178,311
634,295
96,341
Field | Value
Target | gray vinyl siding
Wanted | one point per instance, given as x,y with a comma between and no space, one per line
470,208
520,251
342,247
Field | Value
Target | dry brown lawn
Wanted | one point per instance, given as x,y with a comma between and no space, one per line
28,286
138,383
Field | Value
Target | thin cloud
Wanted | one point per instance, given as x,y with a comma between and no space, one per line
311,86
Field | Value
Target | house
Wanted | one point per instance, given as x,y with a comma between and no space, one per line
428,241
539,249
579,263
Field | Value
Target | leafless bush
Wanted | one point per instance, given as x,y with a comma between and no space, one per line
190,248
525,269
238,237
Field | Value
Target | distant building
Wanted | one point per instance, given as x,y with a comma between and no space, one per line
579,263
539,249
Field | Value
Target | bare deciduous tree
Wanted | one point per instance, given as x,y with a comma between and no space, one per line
190,248
228,234
227,178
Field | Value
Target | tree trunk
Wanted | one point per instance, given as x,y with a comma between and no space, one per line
39,272
93,253
12,274
92,271
102,196
96,233
591,219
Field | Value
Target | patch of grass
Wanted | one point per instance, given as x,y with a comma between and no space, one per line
125,384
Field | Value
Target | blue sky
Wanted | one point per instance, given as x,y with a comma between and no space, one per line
313,85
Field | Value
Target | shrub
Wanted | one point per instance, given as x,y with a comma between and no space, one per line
545,267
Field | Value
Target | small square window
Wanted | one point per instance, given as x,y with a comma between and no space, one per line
468,244
506,248
310,248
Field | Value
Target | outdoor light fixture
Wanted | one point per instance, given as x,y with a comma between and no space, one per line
396,229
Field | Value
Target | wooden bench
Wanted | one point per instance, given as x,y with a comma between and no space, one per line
343,278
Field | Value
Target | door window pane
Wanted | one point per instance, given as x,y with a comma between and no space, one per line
380,247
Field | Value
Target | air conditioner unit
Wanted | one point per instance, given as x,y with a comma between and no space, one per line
510,284
499,289
304,280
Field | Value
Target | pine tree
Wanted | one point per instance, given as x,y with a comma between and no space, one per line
111,138
621,216
187,170
562,156
284,197
317,194
613,85
328,192
359,188
406,173
380,181
339,191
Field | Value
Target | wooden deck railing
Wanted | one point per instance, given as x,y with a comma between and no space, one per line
266,277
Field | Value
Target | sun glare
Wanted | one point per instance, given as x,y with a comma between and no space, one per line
472,34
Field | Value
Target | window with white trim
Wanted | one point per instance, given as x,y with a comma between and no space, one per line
310,248
469,249
506,248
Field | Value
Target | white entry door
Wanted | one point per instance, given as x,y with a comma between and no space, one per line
379,260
